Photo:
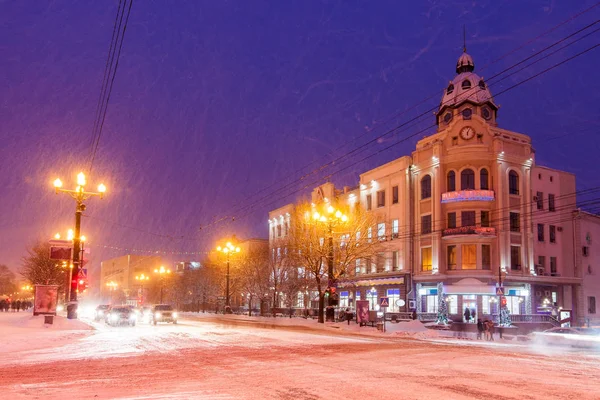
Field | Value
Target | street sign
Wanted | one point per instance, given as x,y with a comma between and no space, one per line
400,303
500,291
83,273
384,302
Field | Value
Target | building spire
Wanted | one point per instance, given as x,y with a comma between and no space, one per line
464,39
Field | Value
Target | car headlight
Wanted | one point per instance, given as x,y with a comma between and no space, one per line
100,312
132,316
114,317
59,308
158,315
174,315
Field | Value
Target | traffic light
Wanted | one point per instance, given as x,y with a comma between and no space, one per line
82,285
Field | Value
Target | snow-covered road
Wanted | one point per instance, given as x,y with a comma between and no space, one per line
206,359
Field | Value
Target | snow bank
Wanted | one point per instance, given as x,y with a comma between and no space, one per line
59,323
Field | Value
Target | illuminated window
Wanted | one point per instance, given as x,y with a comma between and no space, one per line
393,296
452,302
372,297
426,263
395,229
381,231
431,304
451,250
469,256
344,299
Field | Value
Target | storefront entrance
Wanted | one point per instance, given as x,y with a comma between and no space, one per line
469,308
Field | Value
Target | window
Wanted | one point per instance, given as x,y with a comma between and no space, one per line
448,117
451,258
481,84
369,202
551,203
395,229
552,234
452,304
357,266
381,198
513,304
542,265
273,232
485,219
515,222
483,179
591,305
451,220
486,256
469,256
466,84
369,267
344,299
515,258
425,224
467,179
431,304
513,183
451,181
466,113
381,231
485,305
486,113
369,234
395,195
395,260
426,187
287,228
467,218
372,297
278,230
540,229
539,198
394,296
426,264
450,89
381,263
585,251
300,300
553,270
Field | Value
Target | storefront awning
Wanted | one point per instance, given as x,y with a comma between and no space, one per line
374,282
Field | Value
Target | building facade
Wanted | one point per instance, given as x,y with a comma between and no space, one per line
469,209
117,276
587,261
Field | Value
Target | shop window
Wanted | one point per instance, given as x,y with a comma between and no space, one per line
372,298
485,305
394,296
451,258
483,179
452,303
515,222
426,263
451,181
513,303
469,256
515,258
426,187
467,179
344,299
486,256
513,183
431,304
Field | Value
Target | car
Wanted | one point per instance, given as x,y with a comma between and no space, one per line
145,313
120,315
100,312
568,336
163,313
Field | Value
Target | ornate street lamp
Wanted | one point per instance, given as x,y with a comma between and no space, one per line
80,195
141,279
228,249
162,272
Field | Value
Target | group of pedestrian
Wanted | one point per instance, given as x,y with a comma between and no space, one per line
15,306
485,329
470,315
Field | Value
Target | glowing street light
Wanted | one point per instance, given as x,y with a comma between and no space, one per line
79,194
141,279
162,272
228,249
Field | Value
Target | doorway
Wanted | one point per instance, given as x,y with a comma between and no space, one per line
469,308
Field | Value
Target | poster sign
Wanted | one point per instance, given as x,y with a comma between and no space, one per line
45,301
362,311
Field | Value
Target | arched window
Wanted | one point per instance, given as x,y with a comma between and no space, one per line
481,84
513,182
483,179
450,89
426,187
466,84
467,179
451,182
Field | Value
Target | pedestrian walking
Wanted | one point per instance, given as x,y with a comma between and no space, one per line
467,315
473,314
491,329
486,330
479,329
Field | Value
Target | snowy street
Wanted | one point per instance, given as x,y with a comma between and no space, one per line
210,357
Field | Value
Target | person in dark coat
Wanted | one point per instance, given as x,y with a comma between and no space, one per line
480,329
467,315
2,304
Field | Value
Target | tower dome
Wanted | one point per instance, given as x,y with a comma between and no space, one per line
465,63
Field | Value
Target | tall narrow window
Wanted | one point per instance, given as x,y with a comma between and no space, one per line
469,256
486,256
451,220
451,257
395,260
381,198
551,203
369,234
426,187
515,222
539,197
425,224
381,231
552,234
542,265
485,219
369,202
515,258
591,305
451,182
483,179
395,195
540,232
513,183
395,229
467,179
467,218
553,267
426,264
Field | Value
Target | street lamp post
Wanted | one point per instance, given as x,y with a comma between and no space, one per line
141,279
331,217
228,249
80,195
112,287
162,271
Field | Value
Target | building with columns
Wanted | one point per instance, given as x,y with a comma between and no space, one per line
469,209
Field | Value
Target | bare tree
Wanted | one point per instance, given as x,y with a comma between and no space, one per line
7,280
39,269
312,240
252,274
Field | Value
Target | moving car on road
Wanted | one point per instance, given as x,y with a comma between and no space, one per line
163,313
568,336
120,315
100,312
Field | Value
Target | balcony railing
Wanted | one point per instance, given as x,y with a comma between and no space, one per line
470,230
468,195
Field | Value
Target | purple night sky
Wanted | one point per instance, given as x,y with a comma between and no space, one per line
215,100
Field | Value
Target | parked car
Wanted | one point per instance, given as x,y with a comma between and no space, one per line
120,315
100,312
163,313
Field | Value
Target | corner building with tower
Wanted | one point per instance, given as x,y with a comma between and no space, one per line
469,209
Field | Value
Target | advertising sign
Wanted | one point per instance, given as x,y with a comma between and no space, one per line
45,301
362,311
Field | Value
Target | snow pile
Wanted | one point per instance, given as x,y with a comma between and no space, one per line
59,323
